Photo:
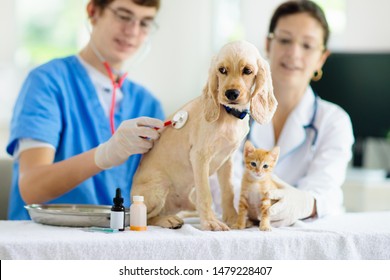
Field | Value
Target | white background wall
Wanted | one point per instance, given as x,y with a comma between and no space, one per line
176,67
368,26
7,31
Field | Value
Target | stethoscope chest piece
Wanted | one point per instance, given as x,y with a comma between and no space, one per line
179,119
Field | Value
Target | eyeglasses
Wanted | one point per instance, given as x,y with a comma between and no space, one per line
147,26
286,42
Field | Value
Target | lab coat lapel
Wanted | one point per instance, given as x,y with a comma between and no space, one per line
293,134
262,135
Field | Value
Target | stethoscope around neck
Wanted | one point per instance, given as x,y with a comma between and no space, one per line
121,76
116,83
311,124
312,121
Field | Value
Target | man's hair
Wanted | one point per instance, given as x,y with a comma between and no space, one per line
147,3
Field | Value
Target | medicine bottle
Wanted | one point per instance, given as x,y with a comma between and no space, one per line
138,214
117,217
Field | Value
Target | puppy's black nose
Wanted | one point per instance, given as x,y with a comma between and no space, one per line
232,94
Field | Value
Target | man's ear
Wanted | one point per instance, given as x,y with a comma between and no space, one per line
92,12
90,9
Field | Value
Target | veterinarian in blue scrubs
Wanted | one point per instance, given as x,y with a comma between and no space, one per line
315,136
79,125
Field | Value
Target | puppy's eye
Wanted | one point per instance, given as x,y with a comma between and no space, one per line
247,71
222,70
265,166
253,164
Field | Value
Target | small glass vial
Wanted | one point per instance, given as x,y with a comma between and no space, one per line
117,216
138,214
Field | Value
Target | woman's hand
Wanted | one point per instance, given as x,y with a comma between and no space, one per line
293,204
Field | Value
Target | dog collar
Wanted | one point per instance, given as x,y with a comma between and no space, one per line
234,112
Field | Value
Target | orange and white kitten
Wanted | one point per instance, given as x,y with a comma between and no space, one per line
256,182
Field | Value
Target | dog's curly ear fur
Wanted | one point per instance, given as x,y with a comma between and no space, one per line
263,102
210,95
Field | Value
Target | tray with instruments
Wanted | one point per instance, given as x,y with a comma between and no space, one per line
73,215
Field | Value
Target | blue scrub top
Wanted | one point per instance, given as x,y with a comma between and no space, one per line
58,104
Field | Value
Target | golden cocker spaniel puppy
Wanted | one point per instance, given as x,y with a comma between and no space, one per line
174,175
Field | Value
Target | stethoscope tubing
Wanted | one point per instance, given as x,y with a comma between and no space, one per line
116,84
312,121
311,126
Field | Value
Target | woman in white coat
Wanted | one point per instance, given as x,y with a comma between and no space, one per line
315,136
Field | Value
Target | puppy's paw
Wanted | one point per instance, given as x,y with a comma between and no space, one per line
214,225
231,219
265,227
237,226
172,222
248,223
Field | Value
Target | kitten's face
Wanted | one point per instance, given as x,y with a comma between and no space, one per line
259,162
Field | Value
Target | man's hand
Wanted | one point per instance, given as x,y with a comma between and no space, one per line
133,136
292,205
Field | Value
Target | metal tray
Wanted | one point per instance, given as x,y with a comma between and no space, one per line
72,215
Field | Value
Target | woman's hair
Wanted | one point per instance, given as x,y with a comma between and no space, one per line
147,3
301,6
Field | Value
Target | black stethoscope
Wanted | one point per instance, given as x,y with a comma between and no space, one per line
312,121
308,126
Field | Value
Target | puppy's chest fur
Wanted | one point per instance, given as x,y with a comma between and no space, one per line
215,141
224,138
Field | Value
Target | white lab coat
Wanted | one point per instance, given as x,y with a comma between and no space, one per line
319,168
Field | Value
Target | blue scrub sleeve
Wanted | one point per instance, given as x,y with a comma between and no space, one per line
36,113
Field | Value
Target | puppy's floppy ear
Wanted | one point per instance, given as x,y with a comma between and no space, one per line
210,95
263,102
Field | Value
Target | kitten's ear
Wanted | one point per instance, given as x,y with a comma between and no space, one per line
275,153
248,148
